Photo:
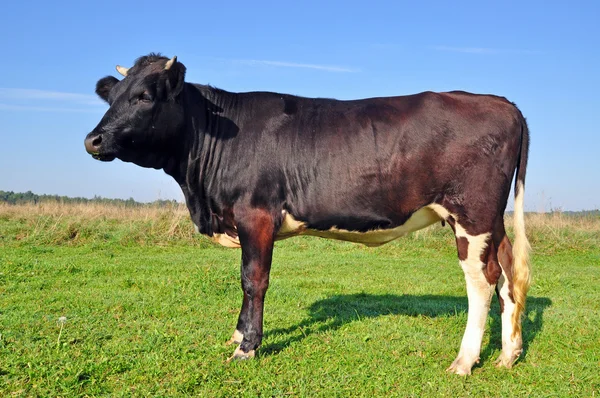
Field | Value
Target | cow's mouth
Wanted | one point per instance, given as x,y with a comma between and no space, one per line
103,157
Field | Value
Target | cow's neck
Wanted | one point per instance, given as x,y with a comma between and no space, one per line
207,132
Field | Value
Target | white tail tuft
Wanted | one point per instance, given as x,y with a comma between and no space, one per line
520,270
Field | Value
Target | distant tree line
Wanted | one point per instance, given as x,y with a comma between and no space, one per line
15,198
583,213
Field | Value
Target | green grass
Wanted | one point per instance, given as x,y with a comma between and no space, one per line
148,315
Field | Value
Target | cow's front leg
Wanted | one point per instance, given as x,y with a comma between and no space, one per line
256,229
238,335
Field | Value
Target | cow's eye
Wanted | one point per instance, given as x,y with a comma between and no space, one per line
145,97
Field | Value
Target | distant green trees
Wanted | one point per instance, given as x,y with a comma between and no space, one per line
14,198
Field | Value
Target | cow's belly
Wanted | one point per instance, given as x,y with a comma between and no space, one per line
292,227
420,219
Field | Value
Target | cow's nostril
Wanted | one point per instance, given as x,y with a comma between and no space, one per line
97,141
93,143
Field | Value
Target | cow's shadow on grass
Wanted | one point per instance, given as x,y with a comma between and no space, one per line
333,312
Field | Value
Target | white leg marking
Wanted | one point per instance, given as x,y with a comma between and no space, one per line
479,293
511,348
236,338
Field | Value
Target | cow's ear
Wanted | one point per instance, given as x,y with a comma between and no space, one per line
175,72
104,86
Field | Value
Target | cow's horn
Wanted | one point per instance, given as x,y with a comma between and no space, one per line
170,63
122,70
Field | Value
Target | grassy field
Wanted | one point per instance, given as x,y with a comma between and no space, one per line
108,301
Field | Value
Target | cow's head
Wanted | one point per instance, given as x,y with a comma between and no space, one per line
145,120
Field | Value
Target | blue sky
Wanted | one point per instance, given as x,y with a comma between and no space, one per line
543,55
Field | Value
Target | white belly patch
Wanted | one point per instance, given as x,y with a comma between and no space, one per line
291,227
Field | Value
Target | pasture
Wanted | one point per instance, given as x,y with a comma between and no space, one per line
112,301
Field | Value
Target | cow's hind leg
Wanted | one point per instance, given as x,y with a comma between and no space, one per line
477,256
512,342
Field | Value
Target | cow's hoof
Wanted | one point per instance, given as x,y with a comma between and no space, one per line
508,360
240,355
461,366
236,338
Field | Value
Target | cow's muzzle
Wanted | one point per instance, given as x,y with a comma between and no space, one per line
93,144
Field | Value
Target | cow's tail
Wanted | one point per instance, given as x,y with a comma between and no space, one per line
520,270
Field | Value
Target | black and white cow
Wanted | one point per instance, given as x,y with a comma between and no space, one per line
257,167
